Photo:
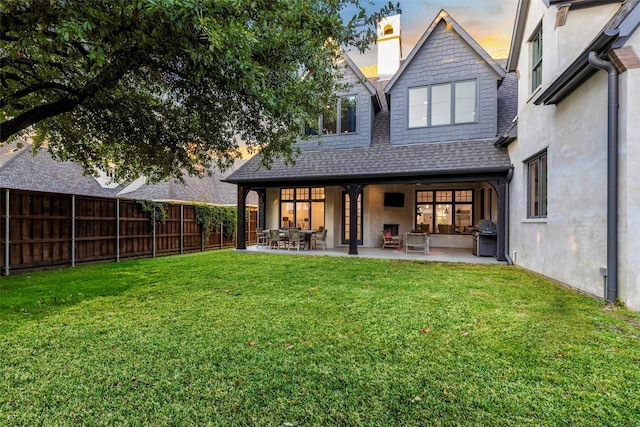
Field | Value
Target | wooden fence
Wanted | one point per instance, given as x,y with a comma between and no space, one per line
41,230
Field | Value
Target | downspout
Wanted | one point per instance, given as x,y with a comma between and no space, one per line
612,175
506,218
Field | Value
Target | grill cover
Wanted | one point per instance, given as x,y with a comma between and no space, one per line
487,227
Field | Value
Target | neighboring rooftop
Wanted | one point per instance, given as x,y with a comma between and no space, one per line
20,170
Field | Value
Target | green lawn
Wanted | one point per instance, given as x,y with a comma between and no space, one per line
225,338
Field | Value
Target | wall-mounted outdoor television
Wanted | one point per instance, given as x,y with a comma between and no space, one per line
394,200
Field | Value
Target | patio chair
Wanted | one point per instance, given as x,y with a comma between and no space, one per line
321,239
417,242
262,238
296,239
276,240
391,241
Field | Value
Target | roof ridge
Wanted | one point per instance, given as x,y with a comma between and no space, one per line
16,156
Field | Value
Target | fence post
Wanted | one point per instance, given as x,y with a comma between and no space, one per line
153,216
181,229
117,230
201,238
221,235
6,233
73,230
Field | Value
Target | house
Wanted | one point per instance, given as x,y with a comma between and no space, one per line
412,149
574,195
20,170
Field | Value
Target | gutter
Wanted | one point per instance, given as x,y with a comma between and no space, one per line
577,73
611,293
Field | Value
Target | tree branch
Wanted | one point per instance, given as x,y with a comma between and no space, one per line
28,118
27,91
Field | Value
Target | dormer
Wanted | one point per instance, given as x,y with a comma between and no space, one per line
348,121
446,89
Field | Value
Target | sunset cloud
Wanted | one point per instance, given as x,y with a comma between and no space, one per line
489,22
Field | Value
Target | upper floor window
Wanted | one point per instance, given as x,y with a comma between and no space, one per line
443,104
536,59
346,119
537,186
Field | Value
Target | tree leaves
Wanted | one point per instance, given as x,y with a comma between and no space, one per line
161,87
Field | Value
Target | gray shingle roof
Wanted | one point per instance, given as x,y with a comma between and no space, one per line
507,103
206,189
43,173
20,170
382,161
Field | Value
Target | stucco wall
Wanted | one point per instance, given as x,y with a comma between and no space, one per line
570,244
629,163
444,57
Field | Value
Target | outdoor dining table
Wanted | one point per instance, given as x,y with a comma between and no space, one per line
307,237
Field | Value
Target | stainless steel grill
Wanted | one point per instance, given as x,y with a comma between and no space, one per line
485,239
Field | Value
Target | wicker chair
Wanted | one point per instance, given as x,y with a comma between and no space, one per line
276,240
391,241
320,238
296,239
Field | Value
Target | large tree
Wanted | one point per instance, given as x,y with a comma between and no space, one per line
162,86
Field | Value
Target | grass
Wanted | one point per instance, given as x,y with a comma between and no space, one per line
226,338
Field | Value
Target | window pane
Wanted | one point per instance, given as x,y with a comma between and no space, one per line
286,194
302,194
348,117
441,105
424,216
418,107
317,215
329,125
347,219
443,218
444,196
424,196
317,193
464,196
287,215
533,189
302,215
543,186
536,60
465,102
463,215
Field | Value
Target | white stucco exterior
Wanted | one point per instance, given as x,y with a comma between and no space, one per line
570,244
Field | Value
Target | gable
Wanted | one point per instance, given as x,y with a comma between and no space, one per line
455,31
443,60
444,56
358,87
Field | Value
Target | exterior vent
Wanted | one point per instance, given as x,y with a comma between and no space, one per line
561,17
625,59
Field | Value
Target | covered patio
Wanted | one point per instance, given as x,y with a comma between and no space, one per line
438,254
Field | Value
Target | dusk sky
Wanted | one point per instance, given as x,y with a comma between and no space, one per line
490,23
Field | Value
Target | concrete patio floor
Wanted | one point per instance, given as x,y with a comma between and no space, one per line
435,254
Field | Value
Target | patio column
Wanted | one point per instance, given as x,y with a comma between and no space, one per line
500,186
241,234
262,207
354,191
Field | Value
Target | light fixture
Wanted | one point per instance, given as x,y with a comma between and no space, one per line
446,211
